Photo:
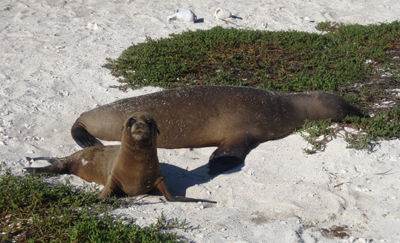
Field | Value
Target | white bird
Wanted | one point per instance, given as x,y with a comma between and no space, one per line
222,13
183,16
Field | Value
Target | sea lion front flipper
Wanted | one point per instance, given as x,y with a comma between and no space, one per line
164,190
82,137
109,188
221,164
228,155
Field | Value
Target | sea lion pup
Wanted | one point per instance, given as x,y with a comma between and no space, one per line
132,168
232,118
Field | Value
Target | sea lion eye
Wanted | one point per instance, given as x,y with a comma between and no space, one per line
131,122
151,123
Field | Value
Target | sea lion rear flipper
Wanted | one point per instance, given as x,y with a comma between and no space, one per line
57,168
51,160
82,137
164,190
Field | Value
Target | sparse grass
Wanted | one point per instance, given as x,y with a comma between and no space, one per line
361,63
318,134
32,211
383,126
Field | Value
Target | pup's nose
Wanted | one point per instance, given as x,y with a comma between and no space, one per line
139,124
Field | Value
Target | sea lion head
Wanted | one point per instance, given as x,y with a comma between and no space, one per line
140,129
337,107
318,105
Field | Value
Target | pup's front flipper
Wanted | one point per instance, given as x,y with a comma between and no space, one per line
164,190
109,188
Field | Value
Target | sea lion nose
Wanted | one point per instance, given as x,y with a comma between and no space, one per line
139,124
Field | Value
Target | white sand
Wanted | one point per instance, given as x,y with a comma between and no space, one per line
50,72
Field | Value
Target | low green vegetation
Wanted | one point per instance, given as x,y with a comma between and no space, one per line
283,61
32,211
361,63
317,134
384,125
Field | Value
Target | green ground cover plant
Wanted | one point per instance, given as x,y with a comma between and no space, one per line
361,63
33,211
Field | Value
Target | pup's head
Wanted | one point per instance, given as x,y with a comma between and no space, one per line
140,129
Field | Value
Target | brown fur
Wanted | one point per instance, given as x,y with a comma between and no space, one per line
132,168
232,118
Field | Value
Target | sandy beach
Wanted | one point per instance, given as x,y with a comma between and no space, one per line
51,71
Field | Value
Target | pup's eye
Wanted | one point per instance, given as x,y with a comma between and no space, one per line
131,122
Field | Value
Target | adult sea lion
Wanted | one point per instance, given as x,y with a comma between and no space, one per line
132,168
232,118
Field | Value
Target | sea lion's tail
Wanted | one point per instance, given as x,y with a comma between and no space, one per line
59,166
82,137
